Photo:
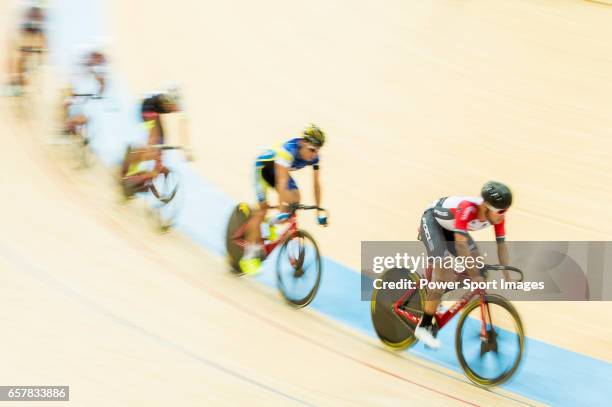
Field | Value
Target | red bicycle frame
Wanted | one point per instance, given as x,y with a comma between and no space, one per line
442,318
239,239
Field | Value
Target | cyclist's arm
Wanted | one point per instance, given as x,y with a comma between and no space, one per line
99,71
462,247
502,253
317,185
148,153
502,248
102,82
155,132
154,138
282,183
462,244
464,213
44,39
185,135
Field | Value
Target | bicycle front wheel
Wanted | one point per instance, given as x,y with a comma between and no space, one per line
490,340
298,269
164,188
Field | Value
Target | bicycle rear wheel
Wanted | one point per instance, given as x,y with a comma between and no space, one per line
240,215
393,330
491,359
298,269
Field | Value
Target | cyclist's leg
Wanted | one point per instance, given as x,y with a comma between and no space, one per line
156,136
130,181
265,178
18,72
443,241
136,170
65,109
259,214
22,57
269,177
75,125
127,158
145,159
76,115
251,261
28,42
435,240
135,184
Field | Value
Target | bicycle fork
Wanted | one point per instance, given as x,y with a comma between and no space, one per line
488,340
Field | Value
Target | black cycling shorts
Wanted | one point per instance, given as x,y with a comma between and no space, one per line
438,240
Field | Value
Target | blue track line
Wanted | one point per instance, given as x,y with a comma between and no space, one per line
548,373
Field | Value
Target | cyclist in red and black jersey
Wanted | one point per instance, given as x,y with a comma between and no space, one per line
444,230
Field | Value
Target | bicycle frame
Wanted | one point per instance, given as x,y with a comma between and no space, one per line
442,318
160,168
239,239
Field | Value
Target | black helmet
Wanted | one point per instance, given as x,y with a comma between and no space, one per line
497,195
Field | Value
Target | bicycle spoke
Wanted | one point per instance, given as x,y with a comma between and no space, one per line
471,350
298,269
309,258
507,346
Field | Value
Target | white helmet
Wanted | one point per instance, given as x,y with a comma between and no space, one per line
171,93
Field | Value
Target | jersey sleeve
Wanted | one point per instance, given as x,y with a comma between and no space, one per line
283,157
465,212
500,231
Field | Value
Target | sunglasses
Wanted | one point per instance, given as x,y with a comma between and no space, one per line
498,211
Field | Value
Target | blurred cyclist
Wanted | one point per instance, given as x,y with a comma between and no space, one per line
139,162
88,81
272,170
444,231
31,40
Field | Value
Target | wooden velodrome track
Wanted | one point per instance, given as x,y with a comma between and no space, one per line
414,96
420,99
93,298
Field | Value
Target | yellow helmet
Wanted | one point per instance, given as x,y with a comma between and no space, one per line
314,135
